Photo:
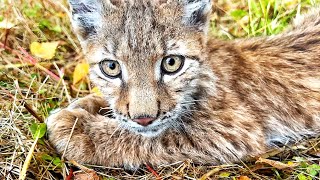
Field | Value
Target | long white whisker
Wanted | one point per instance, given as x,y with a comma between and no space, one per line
197,100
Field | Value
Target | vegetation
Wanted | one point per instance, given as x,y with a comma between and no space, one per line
42,68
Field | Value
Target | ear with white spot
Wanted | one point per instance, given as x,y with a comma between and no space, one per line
197,14
86,17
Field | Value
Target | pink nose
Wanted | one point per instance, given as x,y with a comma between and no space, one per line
144,121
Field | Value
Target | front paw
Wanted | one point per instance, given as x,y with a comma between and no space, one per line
67,133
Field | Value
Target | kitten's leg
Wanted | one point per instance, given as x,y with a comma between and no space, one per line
95,139
59,128
69,129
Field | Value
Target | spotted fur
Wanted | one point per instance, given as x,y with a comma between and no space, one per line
231,100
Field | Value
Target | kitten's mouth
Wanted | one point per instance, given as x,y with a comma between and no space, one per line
148,126
145,126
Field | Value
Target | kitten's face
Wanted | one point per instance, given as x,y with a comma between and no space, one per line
146,58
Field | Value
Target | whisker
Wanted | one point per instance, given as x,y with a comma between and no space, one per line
109,112
103,108
192,110
197,100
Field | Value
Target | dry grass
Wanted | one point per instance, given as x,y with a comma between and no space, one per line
29,92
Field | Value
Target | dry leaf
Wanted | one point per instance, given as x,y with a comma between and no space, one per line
44,50
5,24
210,173
80,72
277,164
85,173
96,90
244,178
91,175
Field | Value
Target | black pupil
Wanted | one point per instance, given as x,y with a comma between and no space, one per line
171,61
112,65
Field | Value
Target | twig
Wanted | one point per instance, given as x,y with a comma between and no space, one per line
211,172
32,112
83,168
153,172
26,163
24,64
33,61
65,149
70,175
6,37
63,82
7,92
25,104
28,58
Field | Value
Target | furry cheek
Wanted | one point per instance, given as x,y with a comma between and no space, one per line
183,83
108,87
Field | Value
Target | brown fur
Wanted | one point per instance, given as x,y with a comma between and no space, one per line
237,98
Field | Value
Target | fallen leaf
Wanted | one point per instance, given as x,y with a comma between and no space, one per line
85,173
210,173
80,72
244,178
5,24
91,175
277,164
38,130
301,176
290,163
224,174
44,50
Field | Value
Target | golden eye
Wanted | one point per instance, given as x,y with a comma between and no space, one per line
110,68
172,64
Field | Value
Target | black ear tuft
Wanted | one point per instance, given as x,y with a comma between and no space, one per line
86,17
197,13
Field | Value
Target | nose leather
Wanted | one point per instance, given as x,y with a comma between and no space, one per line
144,121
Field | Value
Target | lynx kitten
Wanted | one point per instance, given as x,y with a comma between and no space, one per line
172,93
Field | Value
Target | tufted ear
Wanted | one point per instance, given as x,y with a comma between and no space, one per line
197,13
86,18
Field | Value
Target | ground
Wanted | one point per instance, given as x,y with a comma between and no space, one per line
42,68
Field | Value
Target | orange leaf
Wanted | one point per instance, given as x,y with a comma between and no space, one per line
244,178
85,174
92,175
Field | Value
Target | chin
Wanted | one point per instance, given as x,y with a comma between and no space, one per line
153,130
